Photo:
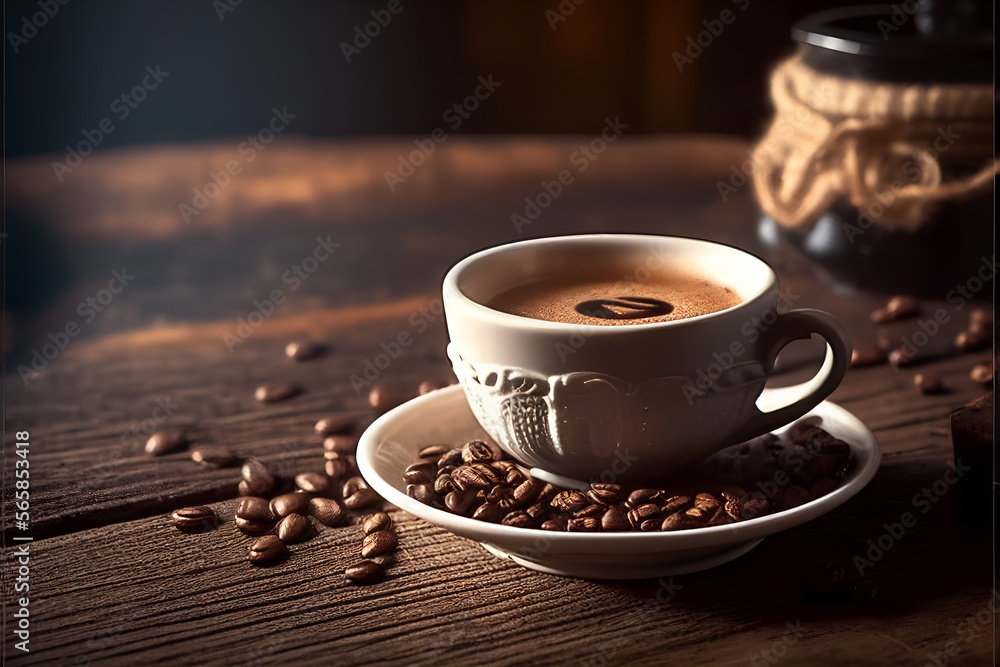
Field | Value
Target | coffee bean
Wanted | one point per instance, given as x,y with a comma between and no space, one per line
327,511
615,519
970,341
720,517
539,511
196,519
592,511
336,468
214,457
467,477
254,508
476,451
698,516
423,493
503,467
641,513
898,307
364,572
444,485
822,487
276,391
754,507
707,503
289,503
379,543
259,480
166,441
793,496
305,350
499,494
867,356
929,383
527,492
981,321
520,519
451,458
677,521
640,497
352,484
461,502
583,525
488,472
341,444
675,504
515,478
376,522
420,473
361,499
294,528
312,482
650,525
435,451
488,512
335,425
982,373
267,550
383,399
604,496
899,358
557,524
734,508
569,501
250,527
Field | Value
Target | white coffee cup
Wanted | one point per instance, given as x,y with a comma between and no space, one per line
636,401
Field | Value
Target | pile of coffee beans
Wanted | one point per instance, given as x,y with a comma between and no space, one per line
378,544
765,475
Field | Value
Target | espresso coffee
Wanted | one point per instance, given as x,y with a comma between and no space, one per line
616,302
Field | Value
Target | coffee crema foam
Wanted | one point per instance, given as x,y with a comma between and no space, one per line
605,302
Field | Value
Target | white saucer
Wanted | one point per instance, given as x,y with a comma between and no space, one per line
391,444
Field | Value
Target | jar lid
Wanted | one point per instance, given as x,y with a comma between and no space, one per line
913,41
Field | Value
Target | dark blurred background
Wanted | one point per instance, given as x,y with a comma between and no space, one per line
228,64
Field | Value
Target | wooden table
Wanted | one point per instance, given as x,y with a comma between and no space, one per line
112,582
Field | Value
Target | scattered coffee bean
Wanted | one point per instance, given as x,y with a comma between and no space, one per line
971,341
267,550
312,482
335,469
867,356
929,383
294,528
305,350
382,399
341,444
166,441
215,457
249,527
981,321
254,508
361,499
289,503
327,511
278,391
982,373
898,307
364,572
379,543
196,519
434,451
335,425
258,479
376,522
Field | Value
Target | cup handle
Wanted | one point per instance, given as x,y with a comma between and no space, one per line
789,403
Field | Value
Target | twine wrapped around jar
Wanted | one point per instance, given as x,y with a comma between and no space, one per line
893,149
